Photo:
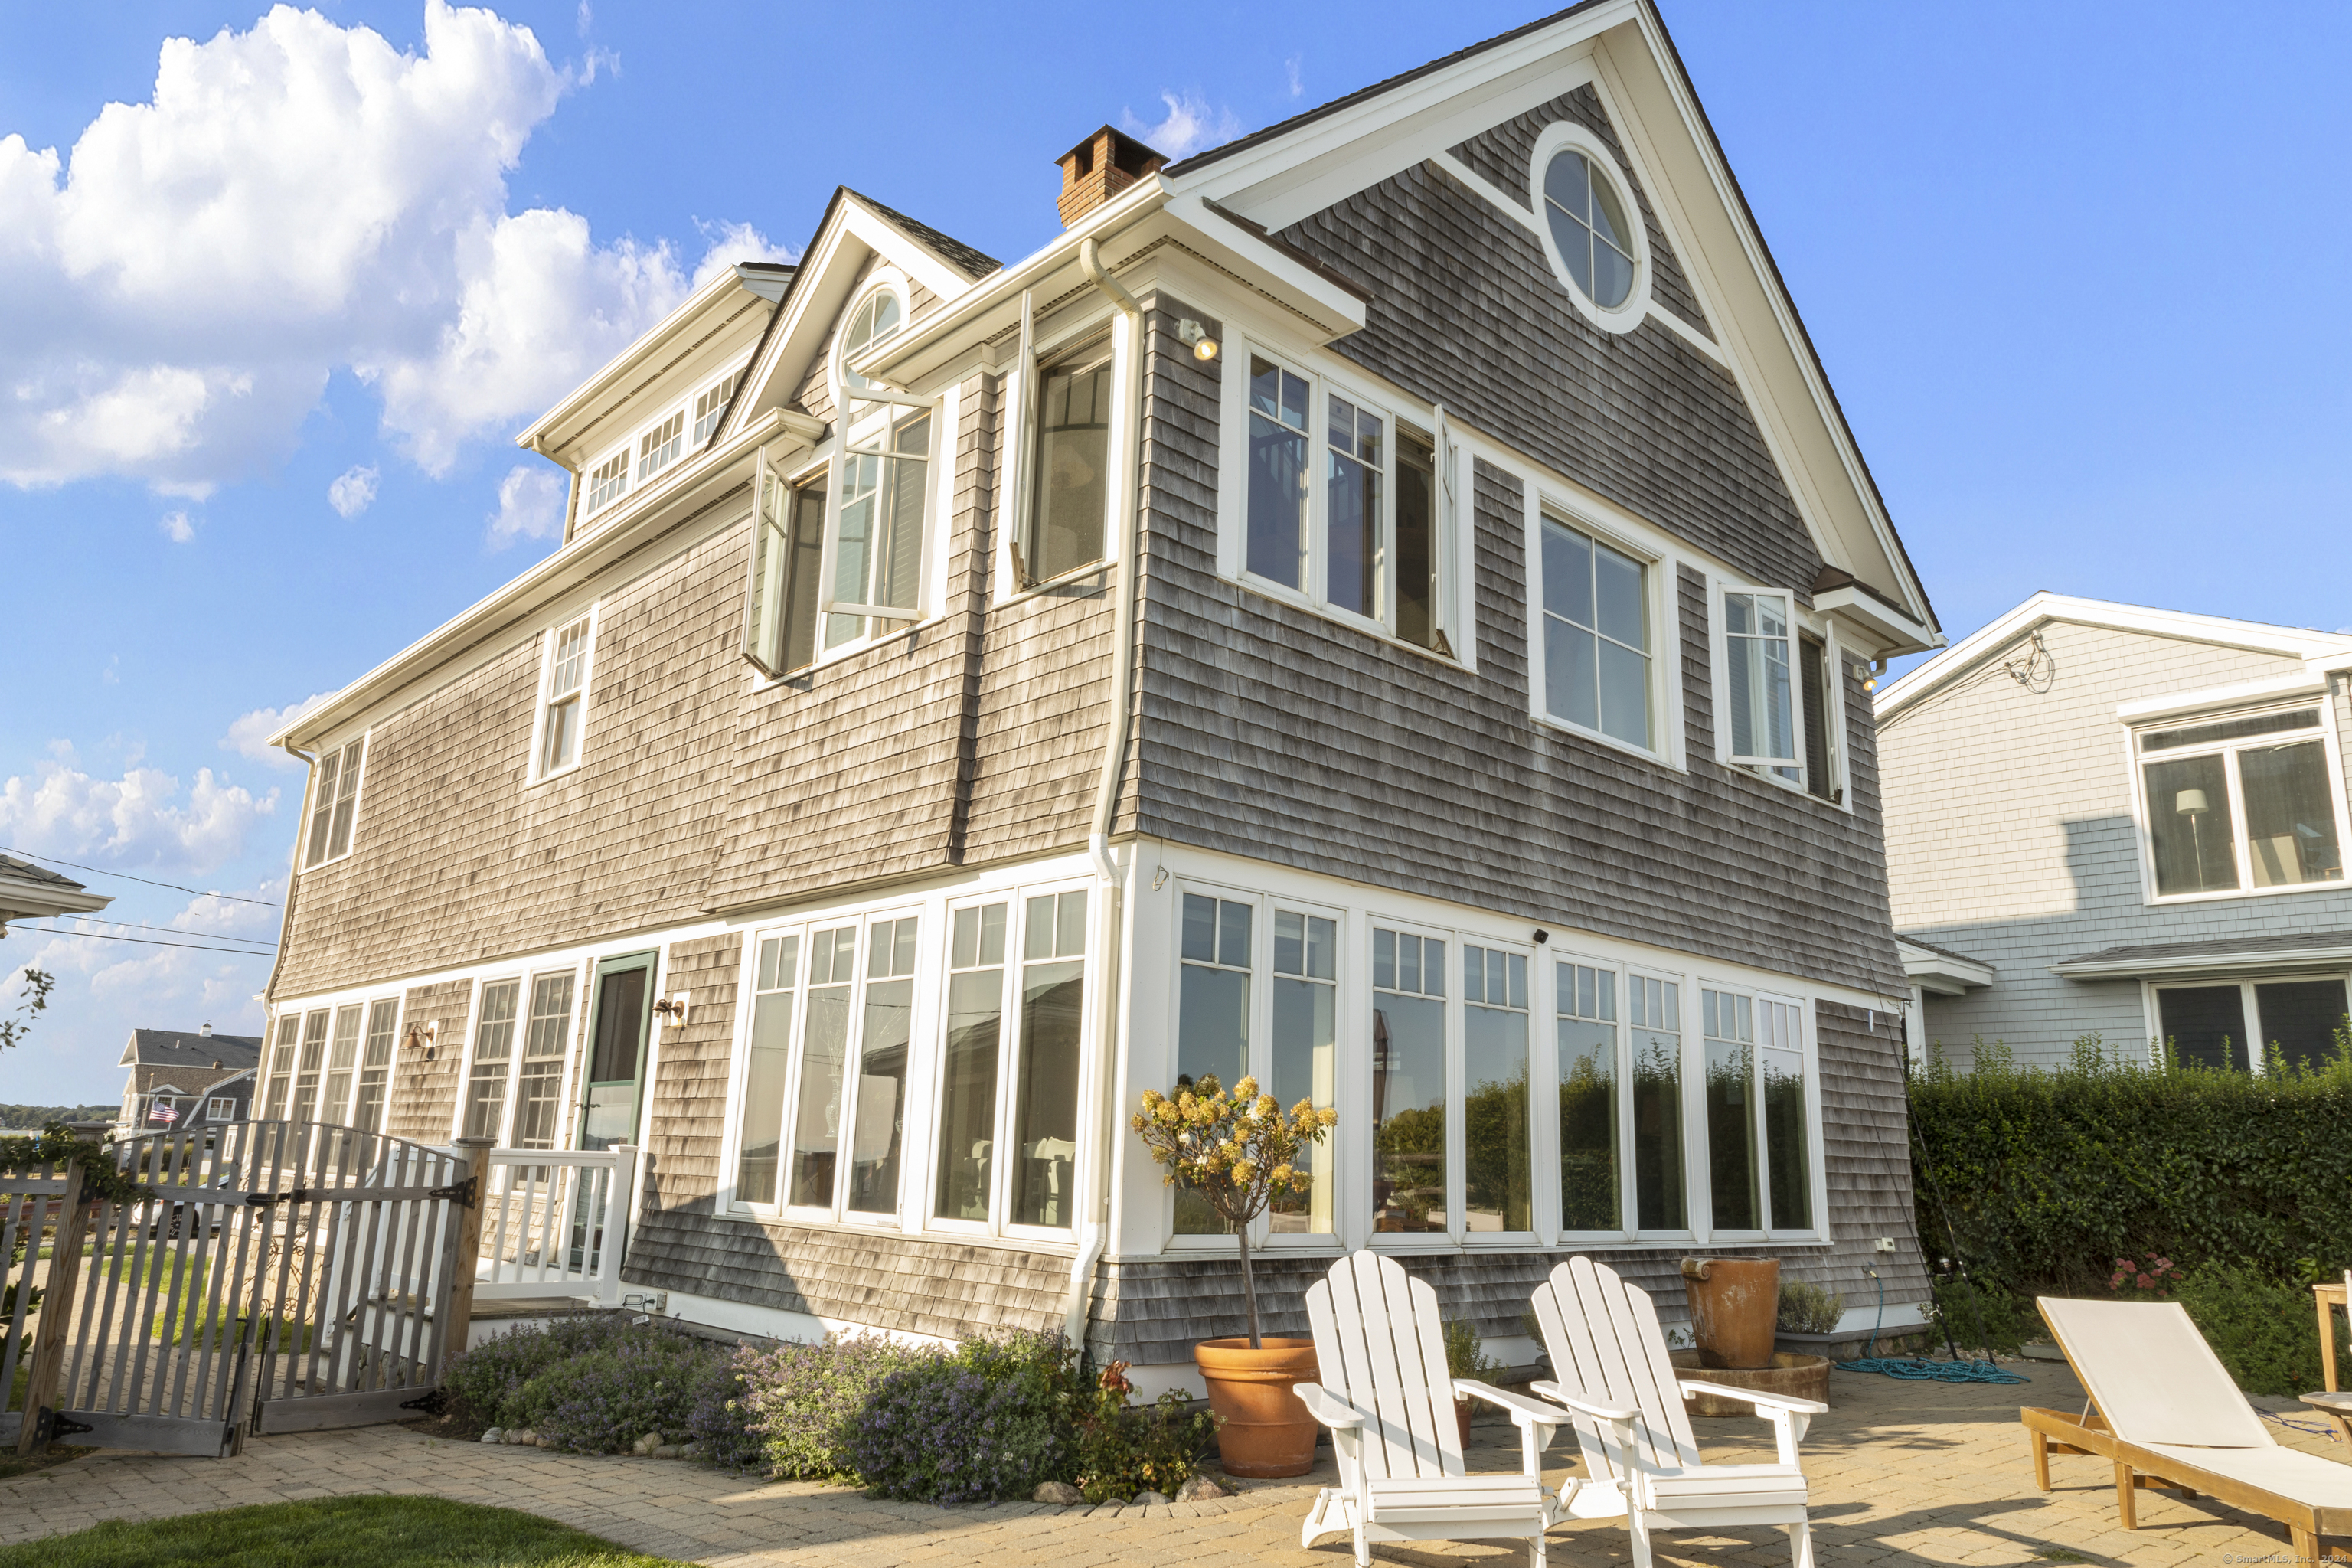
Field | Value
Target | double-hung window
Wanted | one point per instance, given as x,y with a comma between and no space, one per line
1760,713
539,1086
376,1065
872,578
564,700
281,1066
1341,506
1759,1133
1618,1037
305,1105
1597,653
1070,485
485,1085
342,1060
2250,803
334,803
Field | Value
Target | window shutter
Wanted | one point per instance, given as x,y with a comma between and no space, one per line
764,594
1811,676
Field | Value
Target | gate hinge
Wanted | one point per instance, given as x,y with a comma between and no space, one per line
263,1200
463,1192
430,1402
52,1426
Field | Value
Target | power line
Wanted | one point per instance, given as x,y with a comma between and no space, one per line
150,942
124,926
99,871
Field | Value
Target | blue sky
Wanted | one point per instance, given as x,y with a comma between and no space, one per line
274,315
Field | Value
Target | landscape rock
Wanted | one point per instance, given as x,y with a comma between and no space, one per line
1200,1489
670,1451
1145,1499
1058,1492
495,1434
523,1438
646,1444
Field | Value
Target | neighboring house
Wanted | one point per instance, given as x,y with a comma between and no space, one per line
34,892
206,1080
2129,823
1381,605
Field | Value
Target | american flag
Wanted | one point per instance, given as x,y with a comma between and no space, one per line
163,1112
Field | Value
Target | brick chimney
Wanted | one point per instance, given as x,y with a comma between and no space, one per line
1098,168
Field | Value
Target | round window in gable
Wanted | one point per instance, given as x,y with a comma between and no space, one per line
1590,228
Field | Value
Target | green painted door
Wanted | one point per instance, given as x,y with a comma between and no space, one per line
613,1087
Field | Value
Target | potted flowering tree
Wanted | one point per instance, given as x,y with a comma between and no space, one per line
1236,1152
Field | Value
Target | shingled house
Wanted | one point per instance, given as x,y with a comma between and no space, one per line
1382,604
186,1079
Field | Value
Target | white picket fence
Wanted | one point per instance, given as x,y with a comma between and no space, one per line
555,1222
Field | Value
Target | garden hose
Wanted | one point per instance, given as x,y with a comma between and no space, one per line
1919,1369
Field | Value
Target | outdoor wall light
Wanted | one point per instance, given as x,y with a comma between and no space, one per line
671,1010
422,1036
1205,347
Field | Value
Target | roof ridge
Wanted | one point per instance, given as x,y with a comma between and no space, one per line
969,259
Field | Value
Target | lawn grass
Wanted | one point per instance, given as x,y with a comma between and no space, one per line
331,1532
199,1314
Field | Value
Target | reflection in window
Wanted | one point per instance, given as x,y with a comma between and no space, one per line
878,547
968,1066
1586,1014
306,1070
825,1046
2241,815
1072,485
2290,814
2189,818
1757,658
1416,542
1499,1188
376,1065
1596,634
787,556
539,1089
493,1052
1408,1082
882,1037
343,1056
1588,226
1277,474
1305,997
1653,1017
768,1053
1730,1029
1353,504
2301,1018
1213,1010
1787,1151
2204,1024
1045,1100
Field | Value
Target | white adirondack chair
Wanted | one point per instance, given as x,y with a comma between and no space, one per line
1389,1401
1611,1371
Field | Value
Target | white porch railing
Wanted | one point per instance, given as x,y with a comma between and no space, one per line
555,1222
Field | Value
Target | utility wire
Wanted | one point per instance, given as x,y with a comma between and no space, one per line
200,892
150,942
148,930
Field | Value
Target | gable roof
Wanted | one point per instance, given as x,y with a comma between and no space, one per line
2044,607
972,262
186,1047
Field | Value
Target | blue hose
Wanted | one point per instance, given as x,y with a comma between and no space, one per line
1918,1369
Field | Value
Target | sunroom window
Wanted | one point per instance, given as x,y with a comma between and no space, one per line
1498,1193
1596,628
376,1065
1305,1057
1212,1014
1620,1043
2243,803
1759,1153
1409,1098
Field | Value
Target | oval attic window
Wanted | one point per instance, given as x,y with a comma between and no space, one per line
1588,226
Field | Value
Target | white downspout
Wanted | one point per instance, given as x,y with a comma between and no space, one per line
1126,505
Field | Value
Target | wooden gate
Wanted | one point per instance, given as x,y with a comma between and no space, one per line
273,1277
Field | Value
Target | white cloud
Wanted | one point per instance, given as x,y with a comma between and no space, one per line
248,733
353,491
138,819
292,199
530,505
1189,126
734,242
176,527
1290,74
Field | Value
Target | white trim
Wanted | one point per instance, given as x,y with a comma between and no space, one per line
536,770
1719,677
2215,962
364,740
2255,1055
1570,136
1662,588
2136,762
2275,690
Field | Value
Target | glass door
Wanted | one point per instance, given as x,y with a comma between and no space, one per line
616,1051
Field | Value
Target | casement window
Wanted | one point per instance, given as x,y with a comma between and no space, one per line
342,1060
608,481
661,446
1758,687
1341,506
2247,804
865,1019
1597,659
375,1065
1498,1181
871,581
878,1117
563,699
304,1106
486,1084
221,1108
334,803
1062,525
2242,1024
711,407
1621,1103
281,1066
1824,705
1212,1014
539,1083
780,619
964,1183
1305,1057
1759,1127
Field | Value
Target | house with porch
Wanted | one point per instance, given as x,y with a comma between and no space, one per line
2107,820
1381,605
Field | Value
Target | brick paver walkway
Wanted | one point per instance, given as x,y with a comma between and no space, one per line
1902,1473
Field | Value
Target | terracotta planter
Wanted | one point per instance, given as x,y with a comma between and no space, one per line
1735,1306
1265,1431
1462,1415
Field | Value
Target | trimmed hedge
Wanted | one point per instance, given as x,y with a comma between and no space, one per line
2046,1177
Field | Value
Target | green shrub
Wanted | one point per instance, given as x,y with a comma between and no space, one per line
1466,1353
987,1425
799,1400
1983,1315
485,1379
1118,1451
603,1400
2262,1328
1808,1309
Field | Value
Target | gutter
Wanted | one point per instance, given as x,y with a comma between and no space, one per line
293,877
1127,505
538,443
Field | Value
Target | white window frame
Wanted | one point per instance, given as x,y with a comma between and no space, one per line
1017,507
220,1107
1457,1232
702,423
1719,621
521,1026
2258,1061
1565,136
1701,1190
656,438
1661,590
592,505
551,637
1457,1075
882,621
2135,761
1001,1222
341,752
1689,1056
1322,386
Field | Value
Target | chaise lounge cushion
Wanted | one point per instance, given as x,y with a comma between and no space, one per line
2154,1378
2311,1479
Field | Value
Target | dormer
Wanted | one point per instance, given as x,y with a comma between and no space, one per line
662,399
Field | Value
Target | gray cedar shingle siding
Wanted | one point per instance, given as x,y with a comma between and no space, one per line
1504,155
686,1120
1466,312
424,1095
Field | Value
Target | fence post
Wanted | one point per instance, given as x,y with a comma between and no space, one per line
467,1247
620,1199
54,1322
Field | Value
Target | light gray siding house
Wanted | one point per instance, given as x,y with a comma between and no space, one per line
2108,820
1380,606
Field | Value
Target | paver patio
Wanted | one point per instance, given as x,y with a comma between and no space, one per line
1902,1473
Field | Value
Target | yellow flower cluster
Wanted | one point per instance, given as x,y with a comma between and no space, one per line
1236,1150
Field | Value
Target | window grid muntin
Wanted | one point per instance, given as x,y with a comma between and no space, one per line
608,481
660,447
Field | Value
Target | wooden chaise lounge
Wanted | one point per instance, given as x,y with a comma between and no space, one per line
2164,1411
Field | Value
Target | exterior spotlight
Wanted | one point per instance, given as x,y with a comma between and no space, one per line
1205,347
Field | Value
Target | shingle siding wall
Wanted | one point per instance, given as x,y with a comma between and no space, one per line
424,1095
686,1120
1505,156
2010,837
